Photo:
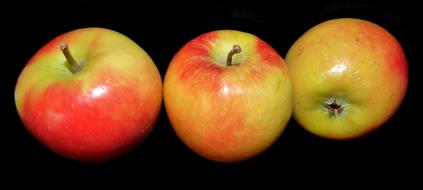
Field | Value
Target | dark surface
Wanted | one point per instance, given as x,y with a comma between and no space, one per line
161,29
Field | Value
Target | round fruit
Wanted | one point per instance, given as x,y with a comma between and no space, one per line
228,95
349,77
90,94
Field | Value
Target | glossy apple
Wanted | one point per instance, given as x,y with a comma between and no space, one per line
91,94
228,95
349,76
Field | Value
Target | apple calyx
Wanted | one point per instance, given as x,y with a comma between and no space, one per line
334,106
235,49
74,66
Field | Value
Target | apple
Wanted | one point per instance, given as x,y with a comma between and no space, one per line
228,95
349,77
90,94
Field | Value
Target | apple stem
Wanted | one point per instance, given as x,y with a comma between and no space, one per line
74,65
235,49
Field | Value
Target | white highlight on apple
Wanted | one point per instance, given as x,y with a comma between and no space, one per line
224,90
234,89
96,92
339,68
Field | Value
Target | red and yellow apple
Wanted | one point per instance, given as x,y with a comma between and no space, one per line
91,95
228,95
349,77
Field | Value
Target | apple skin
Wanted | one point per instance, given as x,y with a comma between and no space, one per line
228,113
99,113
355,62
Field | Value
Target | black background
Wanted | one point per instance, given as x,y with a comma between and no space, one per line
161,28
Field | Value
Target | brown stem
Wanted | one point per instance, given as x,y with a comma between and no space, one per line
74,65
235,49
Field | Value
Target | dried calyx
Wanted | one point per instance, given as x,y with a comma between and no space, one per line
334,106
